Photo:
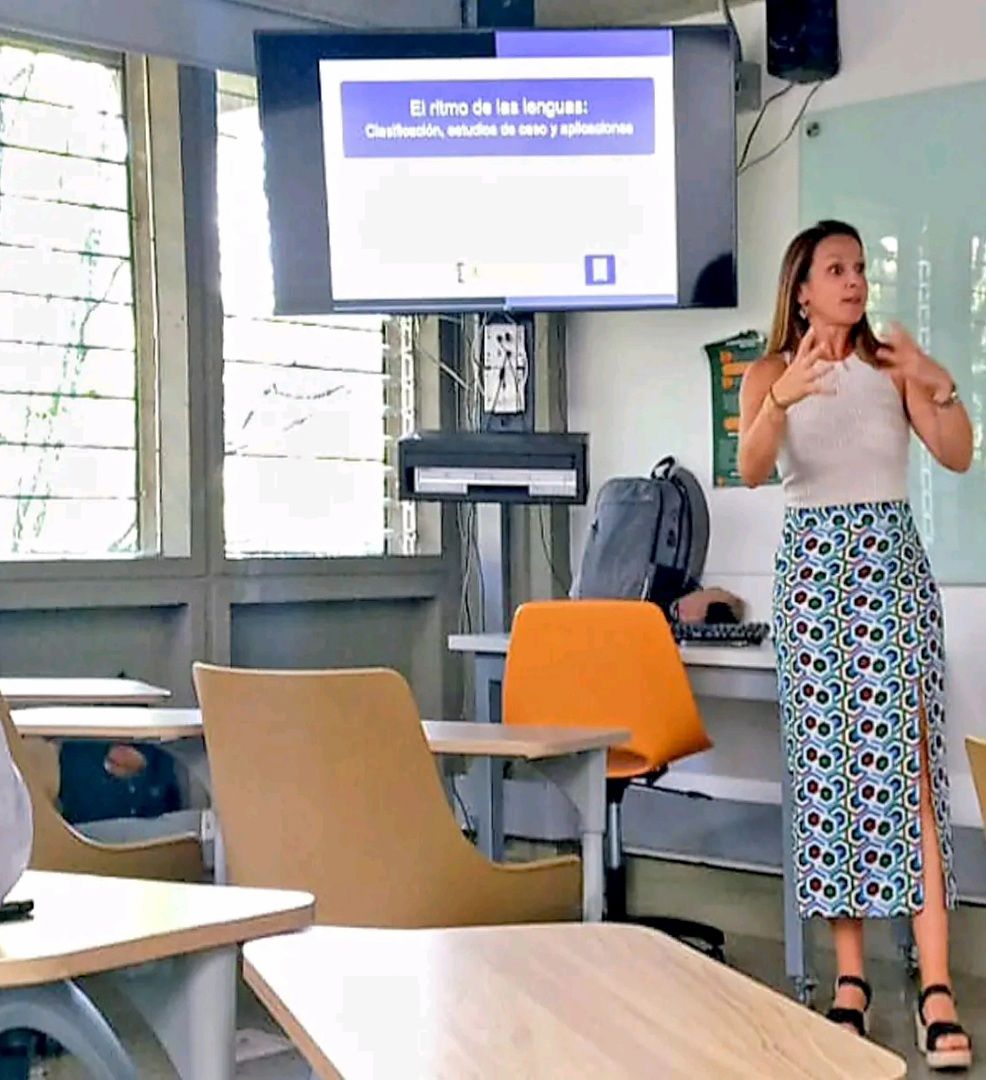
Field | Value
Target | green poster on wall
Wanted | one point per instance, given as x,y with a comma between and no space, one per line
728,360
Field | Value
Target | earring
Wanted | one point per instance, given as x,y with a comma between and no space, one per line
803,312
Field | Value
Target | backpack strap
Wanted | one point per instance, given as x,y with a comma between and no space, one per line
664,468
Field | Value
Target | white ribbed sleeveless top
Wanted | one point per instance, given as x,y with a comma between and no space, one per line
850,446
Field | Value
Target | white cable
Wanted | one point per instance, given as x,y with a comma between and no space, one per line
441,365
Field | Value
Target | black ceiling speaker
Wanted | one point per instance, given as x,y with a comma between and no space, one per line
802,40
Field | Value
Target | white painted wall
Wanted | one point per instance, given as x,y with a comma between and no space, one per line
208,33
639,383
383,13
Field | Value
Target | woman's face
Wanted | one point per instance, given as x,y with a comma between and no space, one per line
835,291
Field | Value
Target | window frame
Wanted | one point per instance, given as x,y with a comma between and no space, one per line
185,356
401,399
162,510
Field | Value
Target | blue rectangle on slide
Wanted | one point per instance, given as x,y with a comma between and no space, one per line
502,118
595,42
600,269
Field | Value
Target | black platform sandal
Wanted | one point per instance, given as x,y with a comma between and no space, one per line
857,1018
929,1034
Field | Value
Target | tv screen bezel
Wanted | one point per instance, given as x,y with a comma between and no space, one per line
291,121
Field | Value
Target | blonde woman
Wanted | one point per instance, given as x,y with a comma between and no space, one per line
857,618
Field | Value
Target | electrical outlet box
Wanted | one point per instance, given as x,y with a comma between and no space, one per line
748,87
505,368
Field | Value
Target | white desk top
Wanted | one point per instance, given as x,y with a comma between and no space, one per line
57,690
516,740
84,924
752,657
113,722
747,657
444,736
495,644
558,1002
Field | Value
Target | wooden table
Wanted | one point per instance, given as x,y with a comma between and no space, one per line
529,742
114,723
157,724
572,758
556,1001
84,924
57,690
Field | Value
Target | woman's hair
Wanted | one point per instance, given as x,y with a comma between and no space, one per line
789,325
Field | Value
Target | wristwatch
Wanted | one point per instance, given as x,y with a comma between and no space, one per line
950,399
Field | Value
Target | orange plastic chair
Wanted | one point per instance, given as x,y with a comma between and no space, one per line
609,663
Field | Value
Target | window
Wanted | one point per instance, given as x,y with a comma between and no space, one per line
313,406
882,273
69,469
977,334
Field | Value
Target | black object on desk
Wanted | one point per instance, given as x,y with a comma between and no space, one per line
15,910
752,633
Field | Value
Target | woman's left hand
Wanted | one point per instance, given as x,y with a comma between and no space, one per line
902,353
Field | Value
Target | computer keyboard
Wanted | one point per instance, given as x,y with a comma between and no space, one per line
752,633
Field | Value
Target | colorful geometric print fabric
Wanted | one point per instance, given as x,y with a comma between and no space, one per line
860,646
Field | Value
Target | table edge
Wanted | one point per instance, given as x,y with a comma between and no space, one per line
160,946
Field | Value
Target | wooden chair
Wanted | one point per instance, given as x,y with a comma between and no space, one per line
323,781
976,749
57,846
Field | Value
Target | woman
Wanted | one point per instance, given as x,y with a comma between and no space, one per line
857,617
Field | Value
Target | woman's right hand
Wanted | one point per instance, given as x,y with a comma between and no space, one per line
806,374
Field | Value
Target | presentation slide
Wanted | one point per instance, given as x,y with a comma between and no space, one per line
544,175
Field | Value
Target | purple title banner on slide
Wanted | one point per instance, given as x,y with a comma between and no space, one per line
498,117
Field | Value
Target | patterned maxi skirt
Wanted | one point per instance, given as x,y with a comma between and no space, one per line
860,652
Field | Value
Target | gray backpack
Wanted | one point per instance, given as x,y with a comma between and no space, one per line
648,539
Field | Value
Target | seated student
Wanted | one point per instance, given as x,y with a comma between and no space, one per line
101,780
16,821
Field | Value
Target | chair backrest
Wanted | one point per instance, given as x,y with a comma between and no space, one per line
323,781
976,749
604,663
57,846
55,841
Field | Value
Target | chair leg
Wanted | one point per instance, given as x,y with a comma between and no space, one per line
709,939
63,1011
616,893
689,931
616,866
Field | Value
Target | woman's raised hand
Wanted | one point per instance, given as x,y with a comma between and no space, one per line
806,374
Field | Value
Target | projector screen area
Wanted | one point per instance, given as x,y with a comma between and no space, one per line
500,170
